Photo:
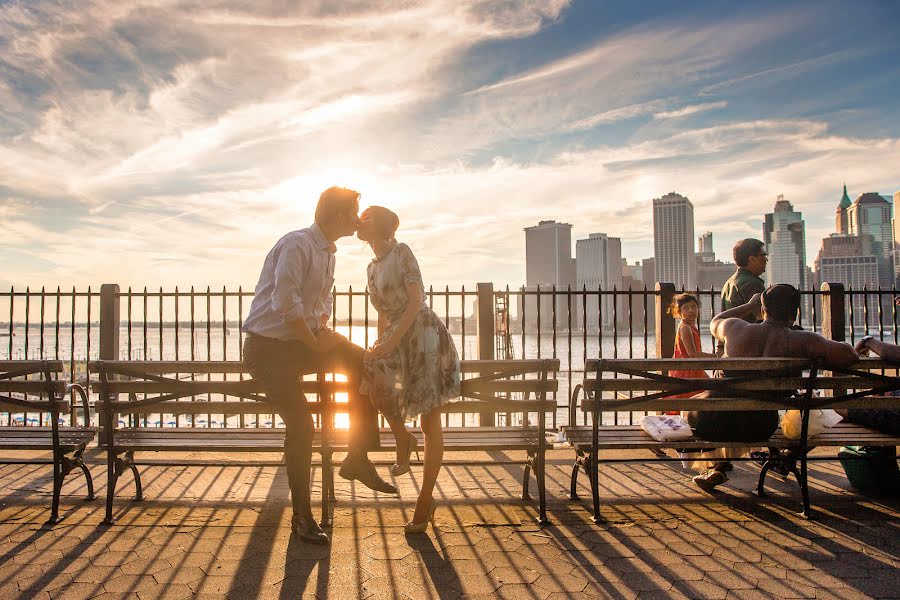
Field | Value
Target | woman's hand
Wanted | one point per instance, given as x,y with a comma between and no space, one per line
381,348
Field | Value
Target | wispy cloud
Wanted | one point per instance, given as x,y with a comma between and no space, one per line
690,110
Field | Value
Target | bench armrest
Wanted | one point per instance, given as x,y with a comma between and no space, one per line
79,389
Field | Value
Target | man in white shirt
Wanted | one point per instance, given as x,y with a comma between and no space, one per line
288,336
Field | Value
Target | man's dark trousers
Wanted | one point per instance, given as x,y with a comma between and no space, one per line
279,367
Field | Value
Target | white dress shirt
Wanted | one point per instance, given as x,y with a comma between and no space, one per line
295,283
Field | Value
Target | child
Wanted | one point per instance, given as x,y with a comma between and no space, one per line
687,337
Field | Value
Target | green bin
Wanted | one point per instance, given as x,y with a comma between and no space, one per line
872,470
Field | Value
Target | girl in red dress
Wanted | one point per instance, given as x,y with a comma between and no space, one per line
687,337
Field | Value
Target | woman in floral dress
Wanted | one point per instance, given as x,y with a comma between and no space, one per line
413,368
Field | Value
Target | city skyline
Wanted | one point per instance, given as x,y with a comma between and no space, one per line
163,147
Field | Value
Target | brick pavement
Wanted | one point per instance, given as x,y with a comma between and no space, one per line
223,532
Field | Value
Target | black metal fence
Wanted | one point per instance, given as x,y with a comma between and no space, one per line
571,325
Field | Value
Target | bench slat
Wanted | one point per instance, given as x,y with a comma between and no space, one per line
721,404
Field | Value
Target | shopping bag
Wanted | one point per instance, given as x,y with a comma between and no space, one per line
819,421
666,428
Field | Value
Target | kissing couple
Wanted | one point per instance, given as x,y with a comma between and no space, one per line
408,373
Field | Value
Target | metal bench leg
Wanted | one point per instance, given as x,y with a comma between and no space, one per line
111,479
89,480
573,486
138,488
327,490
761,482
595,488
526,495
803,479
542,491
57,486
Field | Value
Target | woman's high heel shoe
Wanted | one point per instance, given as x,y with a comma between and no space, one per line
397,469
421,527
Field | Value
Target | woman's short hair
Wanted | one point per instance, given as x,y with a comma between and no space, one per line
386,221
781,302
334,201
744,249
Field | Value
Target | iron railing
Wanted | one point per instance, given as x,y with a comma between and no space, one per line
204,324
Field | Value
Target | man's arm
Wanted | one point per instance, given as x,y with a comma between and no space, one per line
287,299
724,321
889,352
813,345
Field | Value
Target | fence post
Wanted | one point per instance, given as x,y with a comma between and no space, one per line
665,323
109,331
833,311
485,331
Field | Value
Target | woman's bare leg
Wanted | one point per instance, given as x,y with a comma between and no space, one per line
434,457
398,426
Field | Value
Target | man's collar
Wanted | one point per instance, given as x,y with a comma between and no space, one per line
748,272
322,241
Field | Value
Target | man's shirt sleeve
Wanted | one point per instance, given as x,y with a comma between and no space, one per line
290,269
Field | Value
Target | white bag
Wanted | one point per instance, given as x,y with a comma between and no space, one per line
666,428
819,421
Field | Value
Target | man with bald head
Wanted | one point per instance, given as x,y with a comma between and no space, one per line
774,337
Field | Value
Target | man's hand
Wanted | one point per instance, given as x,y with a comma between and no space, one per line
756,304
861,347
326,339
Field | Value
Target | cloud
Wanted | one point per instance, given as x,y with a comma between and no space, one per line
690,110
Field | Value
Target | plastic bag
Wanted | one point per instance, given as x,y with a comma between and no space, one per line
819,421
666,428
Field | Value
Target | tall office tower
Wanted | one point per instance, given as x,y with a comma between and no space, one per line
785,237
870,214
894,225
852,261
673,240
705,251
598,265
840,218
548,263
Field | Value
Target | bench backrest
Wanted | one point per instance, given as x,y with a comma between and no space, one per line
30,387
225,388
749,384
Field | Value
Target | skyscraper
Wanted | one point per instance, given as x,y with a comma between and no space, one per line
784,234
548,262
894,225
840,219
598,264
850,260
870,214
673,240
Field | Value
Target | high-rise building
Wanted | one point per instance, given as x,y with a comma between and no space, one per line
852,261
673,240
870,214
705,252
784,234
840,219
894,224
548,263
598,265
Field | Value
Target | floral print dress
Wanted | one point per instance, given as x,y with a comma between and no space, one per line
422,373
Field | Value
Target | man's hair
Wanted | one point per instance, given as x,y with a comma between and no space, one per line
744,249
334,201
781,302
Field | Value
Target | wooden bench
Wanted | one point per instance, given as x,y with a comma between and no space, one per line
33,387
642,385
514,388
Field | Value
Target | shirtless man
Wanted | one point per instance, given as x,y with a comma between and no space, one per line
778,307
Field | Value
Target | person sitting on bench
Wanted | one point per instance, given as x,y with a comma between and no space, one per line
774,337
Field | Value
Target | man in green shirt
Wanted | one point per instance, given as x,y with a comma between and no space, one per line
751,258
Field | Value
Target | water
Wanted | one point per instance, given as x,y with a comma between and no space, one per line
82,344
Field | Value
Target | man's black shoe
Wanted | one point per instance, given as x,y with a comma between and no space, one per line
308,530
362,470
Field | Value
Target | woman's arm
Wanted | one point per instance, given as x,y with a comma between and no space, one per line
383,323
416,296
686,335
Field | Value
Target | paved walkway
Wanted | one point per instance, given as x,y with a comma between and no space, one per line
217,532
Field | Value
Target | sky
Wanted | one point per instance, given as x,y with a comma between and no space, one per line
168,142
